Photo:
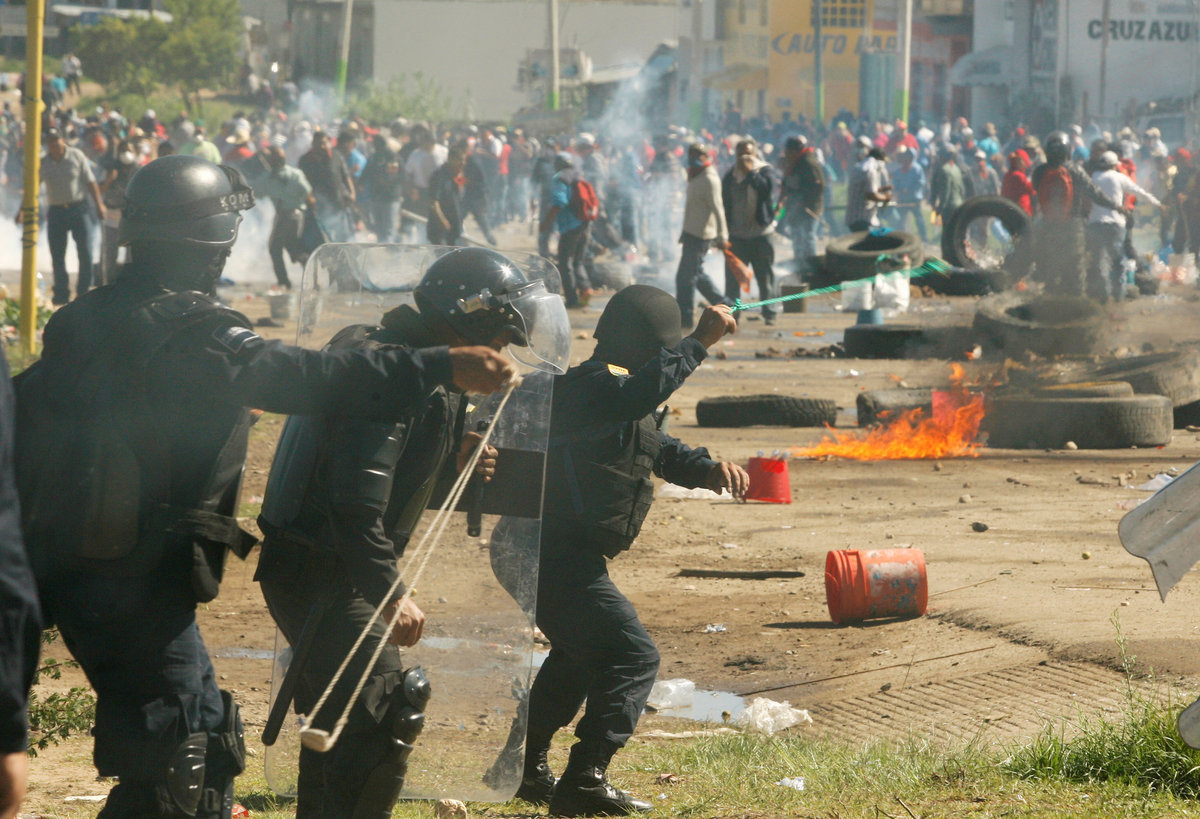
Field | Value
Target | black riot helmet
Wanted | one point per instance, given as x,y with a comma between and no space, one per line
1057,148
635,324
184,200
473,289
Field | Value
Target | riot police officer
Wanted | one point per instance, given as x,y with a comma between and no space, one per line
133,434
605,442
335,527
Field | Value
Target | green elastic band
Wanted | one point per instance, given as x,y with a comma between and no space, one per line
931,267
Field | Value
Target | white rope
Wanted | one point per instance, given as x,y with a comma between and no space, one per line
322,741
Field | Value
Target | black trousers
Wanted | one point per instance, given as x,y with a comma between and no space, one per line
137,641
599,651
292,578
759,253
63,221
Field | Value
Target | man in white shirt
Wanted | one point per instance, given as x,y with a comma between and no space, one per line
1106,230
426,158
704,227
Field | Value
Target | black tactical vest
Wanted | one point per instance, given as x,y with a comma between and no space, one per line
101,484
598,482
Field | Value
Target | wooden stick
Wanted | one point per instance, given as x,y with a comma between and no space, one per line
739,574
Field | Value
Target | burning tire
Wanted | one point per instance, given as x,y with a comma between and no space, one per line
877,406
854,255
1175,374
1091,423
968,244
765,410
1046,325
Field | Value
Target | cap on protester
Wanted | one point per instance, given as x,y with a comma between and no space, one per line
53,134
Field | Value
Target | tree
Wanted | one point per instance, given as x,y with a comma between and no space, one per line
201,47
120,53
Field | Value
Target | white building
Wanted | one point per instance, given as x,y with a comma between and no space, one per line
1057,54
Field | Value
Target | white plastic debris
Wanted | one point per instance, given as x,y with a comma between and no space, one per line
796,783
1156,483
769,717
678,693
714,628
670,490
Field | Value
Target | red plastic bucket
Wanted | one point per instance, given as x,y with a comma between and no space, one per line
769,480
881,583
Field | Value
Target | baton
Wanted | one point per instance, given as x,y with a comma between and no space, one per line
300,652
475,497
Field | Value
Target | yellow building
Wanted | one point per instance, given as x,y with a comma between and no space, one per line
742,32
849,29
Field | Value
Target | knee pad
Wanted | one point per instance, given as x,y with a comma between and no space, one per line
400,726
182,786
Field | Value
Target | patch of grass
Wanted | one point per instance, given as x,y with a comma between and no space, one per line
1141,748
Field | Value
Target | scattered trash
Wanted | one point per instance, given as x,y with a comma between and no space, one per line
879,652
714,628
964,498
979,526
95,799
795,783
239,811
768,717
1090,481
1154,484
1126,505
1071,445
450,809
885,687
1087,555
730,546
708,732
665,694
670,490
847,374
667,779
809,334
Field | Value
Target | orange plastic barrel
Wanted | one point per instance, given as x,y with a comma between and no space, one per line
880,583
769,480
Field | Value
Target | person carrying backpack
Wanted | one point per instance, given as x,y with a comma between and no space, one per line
573,208
1065,193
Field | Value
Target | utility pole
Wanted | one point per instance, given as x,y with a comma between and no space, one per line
555,70
818,63
343,62
1104,56
904,75
35,18
696,84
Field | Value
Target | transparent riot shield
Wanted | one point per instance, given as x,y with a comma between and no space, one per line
478,591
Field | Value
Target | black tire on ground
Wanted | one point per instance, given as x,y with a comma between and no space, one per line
1075,389
1175,374
613,275
966,282
853,256
1091,423
877,406
882,340
1012,324
1007,212
765,410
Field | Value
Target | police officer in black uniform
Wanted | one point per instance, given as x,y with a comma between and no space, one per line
336,523
20,618
133,434
605,442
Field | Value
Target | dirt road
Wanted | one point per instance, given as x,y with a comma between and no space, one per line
1029,608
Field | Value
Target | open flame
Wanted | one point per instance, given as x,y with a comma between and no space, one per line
948,432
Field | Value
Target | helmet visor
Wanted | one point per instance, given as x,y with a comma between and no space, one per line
543,316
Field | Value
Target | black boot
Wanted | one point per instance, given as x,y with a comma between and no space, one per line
583,789
537,781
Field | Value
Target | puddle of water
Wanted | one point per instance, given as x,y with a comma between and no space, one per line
709,706
242,653
452,643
